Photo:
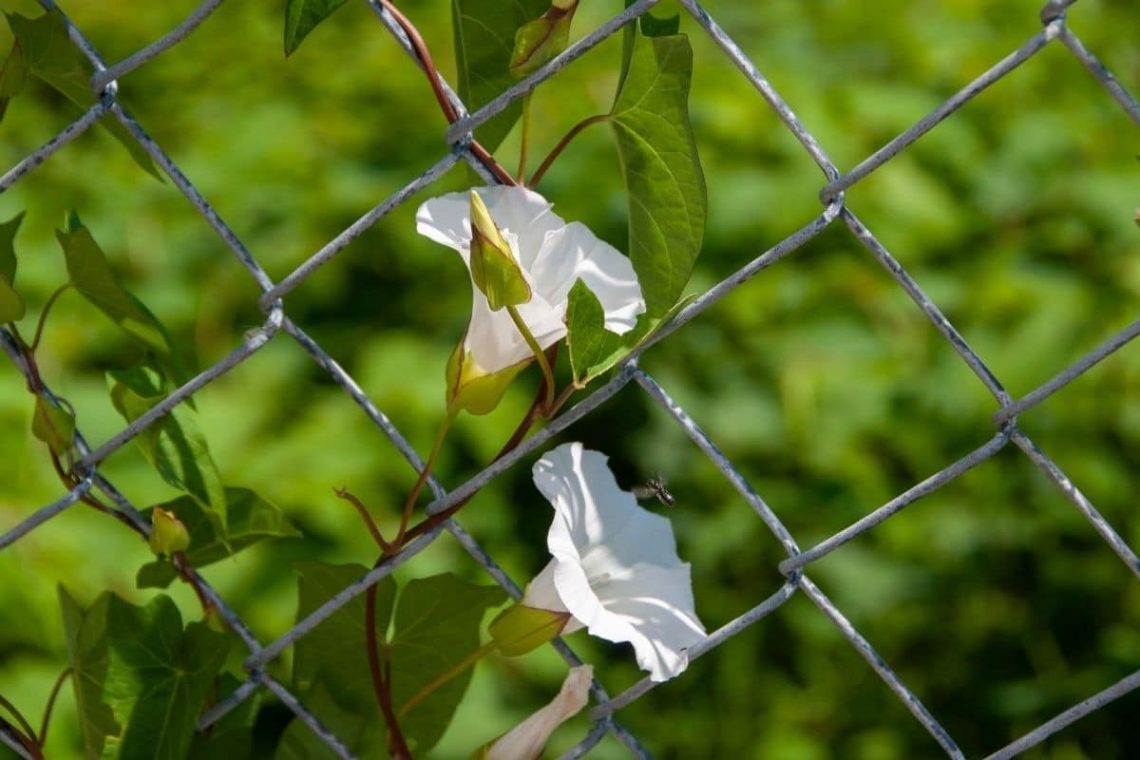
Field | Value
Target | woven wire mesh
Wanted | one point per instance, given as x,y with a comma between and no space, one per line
278,326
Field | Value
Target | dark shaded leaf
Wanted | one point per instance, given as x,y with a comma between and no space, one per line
140,679
232,736
302,16
330,665
484,40
53,425
11,304
664,180
436,627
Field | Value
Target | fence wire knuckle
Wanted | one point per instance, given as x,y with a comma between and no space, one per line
458,146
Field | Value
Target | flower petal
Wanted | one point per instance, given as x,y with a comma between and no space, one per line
526,740
615,566
524,212
496,343
574,252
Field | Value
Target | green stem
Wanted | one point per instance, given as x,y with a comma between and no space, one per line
43,314
539,354
443,678
410,504
51,703
561,146
521,176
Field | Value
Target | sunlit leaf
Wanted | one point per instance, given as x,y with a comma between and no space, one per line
174,445
484,40
92,276
664,180
437,626
249,519
587,338
140,678
53,425
11,304
47,53
302,16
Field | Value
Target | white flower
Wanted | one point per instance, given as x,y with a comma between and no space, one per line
615,566
552,256
526,740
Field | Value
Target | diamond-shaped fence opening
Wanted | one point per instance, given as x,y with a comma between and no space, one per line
834,215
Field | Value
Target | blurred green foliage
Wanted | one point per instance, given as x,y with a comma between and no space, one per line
829,389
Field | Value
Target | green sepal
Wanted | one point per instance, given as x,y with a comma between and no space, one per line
520,629
537,41
493,266
471,389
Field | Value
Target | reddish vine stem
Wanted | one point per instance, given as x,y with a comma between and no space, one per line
445,105
561,146
381,686
373,529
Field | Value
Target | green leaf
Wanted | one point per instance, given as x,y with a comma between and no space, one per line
53,425
11,304
232,736
302,17
92,276
174,445
330,665
650,26
8,231
141,679
436,628
249,519
664,180
47,53
587,338
484,40
609,349
13,77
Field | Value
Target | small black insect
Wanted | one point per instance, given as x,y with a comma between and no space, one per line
654,487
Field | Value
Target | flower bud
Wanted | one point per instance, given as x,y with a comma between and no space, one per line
527,740
168,534
537,41
493,266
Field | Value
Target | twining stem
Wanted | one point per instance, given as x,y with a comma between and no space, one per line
410,504
445,105
443,678
561,146
525,141
381,685
43,315
539,355
51,704
373,530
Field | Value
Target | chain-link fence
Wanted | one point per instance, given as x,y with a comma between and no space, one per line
279,326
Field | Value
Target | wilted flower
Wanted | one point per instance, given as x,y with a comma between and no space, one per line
551,256
526,740
615,567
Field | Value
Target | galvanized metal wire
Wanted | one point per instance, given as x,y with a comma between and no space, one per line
795,567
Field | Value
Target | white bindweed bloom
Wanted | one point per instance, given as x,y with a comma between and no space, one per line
615,567
552,256
526,740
